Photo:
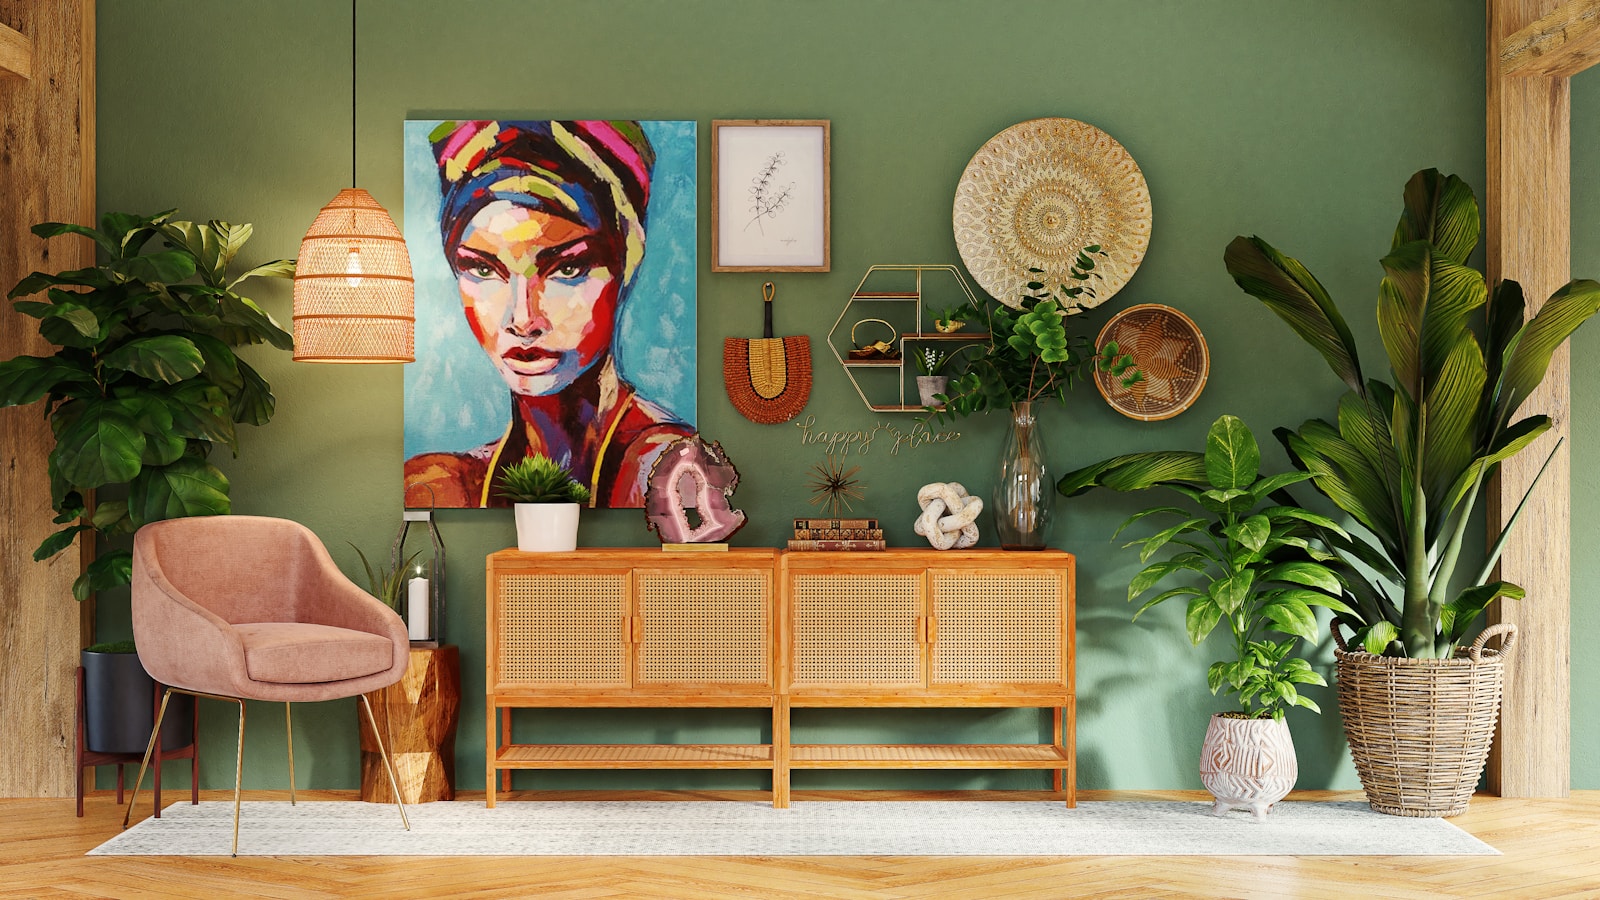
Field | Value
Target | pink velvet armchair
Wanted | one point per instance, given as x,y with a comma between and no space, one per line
249,608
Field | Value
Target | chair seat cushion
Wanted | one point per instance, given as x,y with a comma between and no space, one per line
300,653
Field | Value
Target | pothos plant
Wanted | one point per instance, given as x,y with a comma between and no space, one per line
1233,559
145,381
1029,354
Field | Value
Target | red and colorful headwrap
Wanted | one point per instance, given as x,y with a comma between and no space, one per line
593,172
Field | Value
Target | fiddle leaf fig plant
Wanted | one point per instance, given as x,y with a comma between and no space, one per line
1407,458
145,380
1237,556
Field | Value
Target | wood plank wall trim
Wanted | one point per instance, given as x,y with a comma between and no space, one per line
1559,44
1529,240
16,53
47,168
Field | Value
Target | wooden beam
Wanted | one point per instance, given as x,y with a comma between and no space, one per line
1559,44
16,53
47,167
1529,240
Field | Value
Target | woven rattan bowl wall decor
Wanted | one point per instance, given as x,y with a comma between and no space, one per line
1039,192
1168,350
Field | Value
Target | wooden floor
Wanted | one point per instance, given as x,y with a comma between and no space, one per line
1552,849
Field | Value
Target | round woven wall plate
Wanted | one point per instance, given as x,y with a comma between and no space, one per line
1039,192
1168,349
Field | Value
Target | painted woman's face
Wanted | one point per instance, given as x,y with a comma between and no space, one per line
540,294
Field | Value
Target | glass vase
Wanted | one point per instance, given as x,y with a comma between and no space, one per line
1025,495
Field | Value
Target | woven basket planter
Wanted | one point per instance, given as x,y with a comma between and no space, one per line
1419,729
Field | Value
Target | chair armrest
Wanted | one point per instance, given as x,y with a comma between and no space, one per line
180,642
327,597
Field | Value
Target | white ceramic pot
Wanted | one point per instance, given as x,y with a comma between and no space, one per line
1248,764
547,527
928,385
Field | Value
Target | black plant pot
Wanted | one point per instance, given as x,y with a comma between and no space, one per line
120,706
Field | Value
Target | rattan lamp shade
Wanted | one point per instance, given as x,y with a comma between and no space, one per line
353,291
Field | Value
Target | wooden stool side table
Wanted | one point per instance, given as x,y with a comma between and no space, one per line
418,716
85,758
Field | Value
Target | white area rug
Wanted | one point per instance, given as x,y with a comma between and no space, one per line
810,828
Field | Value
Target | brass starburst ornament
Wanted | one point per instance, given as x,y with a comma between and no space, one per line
832,487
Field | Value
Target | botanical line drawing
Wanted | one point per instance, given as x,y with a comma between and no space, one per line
766,198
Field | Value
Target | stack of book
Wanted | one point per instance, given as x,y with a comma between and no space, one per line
837,534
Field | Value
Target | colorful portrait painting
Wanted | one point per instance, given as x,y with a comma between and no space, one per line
555,284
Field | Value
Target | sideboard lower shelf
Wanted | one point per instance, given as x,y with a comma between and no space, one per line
897,628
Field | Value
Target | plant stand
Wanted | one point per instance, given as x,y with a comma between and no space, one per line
87,759
418,715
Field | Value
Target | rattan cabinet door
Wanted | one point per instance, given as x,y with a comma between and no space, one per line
997,626
704,627
856,630
563,629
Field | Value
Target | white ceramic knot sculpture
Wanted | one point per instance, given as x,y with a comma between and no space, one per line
949,517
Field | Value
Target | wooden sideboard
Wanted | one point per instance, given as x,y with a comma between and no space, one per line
763,629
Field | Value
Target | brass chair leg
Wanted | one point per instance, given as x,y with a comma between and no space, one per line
388,766
288,730
155,735
238,778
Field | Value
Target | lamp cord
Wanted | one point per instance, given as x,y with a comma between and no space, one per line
352,93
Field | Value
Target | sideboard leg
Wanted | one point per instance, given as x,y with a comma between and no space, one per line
1055,731
491,747
780,753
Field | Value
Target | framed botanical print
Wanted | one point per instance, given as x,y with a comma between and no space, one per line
770,195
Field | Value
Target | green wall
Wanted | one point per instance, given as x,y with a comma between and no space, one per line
1298,121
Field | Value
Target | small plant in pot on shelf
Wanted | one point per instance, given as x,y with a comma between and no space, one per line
1238,555
546,501
1407,459
952,319
931,380
1030,356
143,385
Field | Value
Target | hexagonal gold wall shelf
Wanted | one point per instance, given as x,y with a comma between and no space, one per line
886,310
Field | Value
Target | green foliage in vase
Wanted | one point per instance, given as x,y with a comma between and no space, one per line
386,583
1407,458
1254,566
145,381
1030,355
540,479
931,360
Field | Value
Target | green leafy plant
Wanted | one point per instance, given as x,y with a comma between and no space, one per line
1253,567
1407,458
386,583
1029,355
540,479
145,381
931,361
951,318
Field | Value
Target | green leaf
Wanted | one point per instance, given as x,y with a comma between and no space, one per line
1266,486
1233,459
1457,616
1530,354
256,324
1290,291
202,243
166,267
28,378
58,542
1441,210
1379,635
1167,595
1216,676
1291,616
109,570
1306,573
254,402
1147,578
103,445
54,229
1278,513
1143,513
189,487
162,357
278,268
109,514
1231,592
1135,472
200,411
1159,539
1252,532
1201,617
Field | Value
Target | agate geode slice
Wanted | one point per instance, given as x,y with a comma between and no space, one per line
692,474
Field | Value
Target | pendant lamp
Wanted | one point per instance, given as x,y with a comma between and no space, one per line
353,290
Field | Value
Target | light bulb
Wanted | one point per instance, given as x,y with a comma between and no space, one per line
352,267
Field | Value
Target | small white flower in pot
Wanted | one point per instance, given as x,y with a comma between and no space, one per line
546,499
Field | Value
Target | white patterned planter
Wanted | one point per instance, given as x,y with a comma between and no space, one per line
1247,764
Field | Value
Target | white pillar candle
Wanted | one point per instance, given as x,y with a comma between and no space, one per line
417,608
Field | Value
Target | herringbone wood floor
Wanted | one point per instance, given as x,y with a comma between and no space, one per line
1551,847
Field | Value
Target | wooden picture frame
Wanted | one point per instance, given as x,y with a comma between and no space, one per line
771,195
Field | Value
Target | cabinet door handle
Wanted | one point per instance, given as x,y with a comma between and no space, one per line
933,629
